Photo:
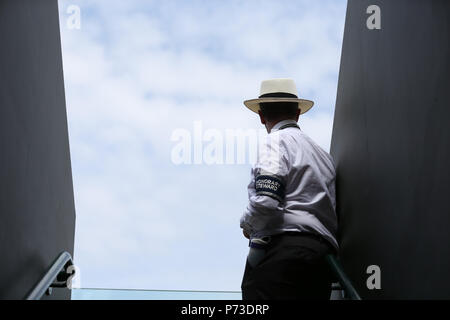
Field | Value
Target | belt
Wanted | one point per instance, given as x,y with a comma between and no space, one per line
300,234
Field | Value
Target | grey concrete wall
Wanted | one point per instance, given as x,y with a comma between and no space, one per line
37,215
391,143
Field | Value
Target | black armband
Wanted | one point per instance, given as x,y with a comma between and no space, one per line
271,186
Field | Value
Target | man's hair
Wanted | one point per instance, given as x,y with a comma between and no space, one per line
272,111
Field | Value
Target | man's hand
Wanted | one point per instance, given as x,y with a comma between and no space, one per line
245,234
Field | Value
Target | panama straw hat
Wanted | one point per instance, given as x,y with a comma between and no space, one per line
278,90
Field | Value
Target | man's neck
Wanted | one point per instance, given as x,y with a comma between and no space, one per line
274,125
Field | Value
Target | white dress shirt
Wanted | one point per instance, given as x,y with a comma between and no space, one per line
292,186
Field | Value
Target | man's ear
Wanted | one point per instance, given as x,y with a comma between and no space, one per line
298,114
261,117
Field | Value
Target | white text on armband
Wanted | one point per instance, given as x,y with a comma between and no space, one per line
270,186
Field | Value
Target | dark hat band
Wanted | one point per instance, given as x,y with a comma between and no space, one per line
278,95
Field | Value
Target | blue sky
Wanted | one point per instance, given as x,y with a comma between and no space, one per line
138,70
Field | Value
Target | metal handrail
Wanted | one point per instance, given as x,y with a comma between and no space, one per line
56,276
344,281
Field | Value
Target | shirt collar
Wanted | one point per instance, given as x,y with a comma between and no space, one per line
279,124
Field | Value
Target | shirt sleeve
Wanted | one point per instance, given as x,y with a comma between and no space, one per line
266,189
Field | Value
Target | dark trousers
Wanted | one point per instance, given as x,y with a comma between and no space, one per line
293,267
